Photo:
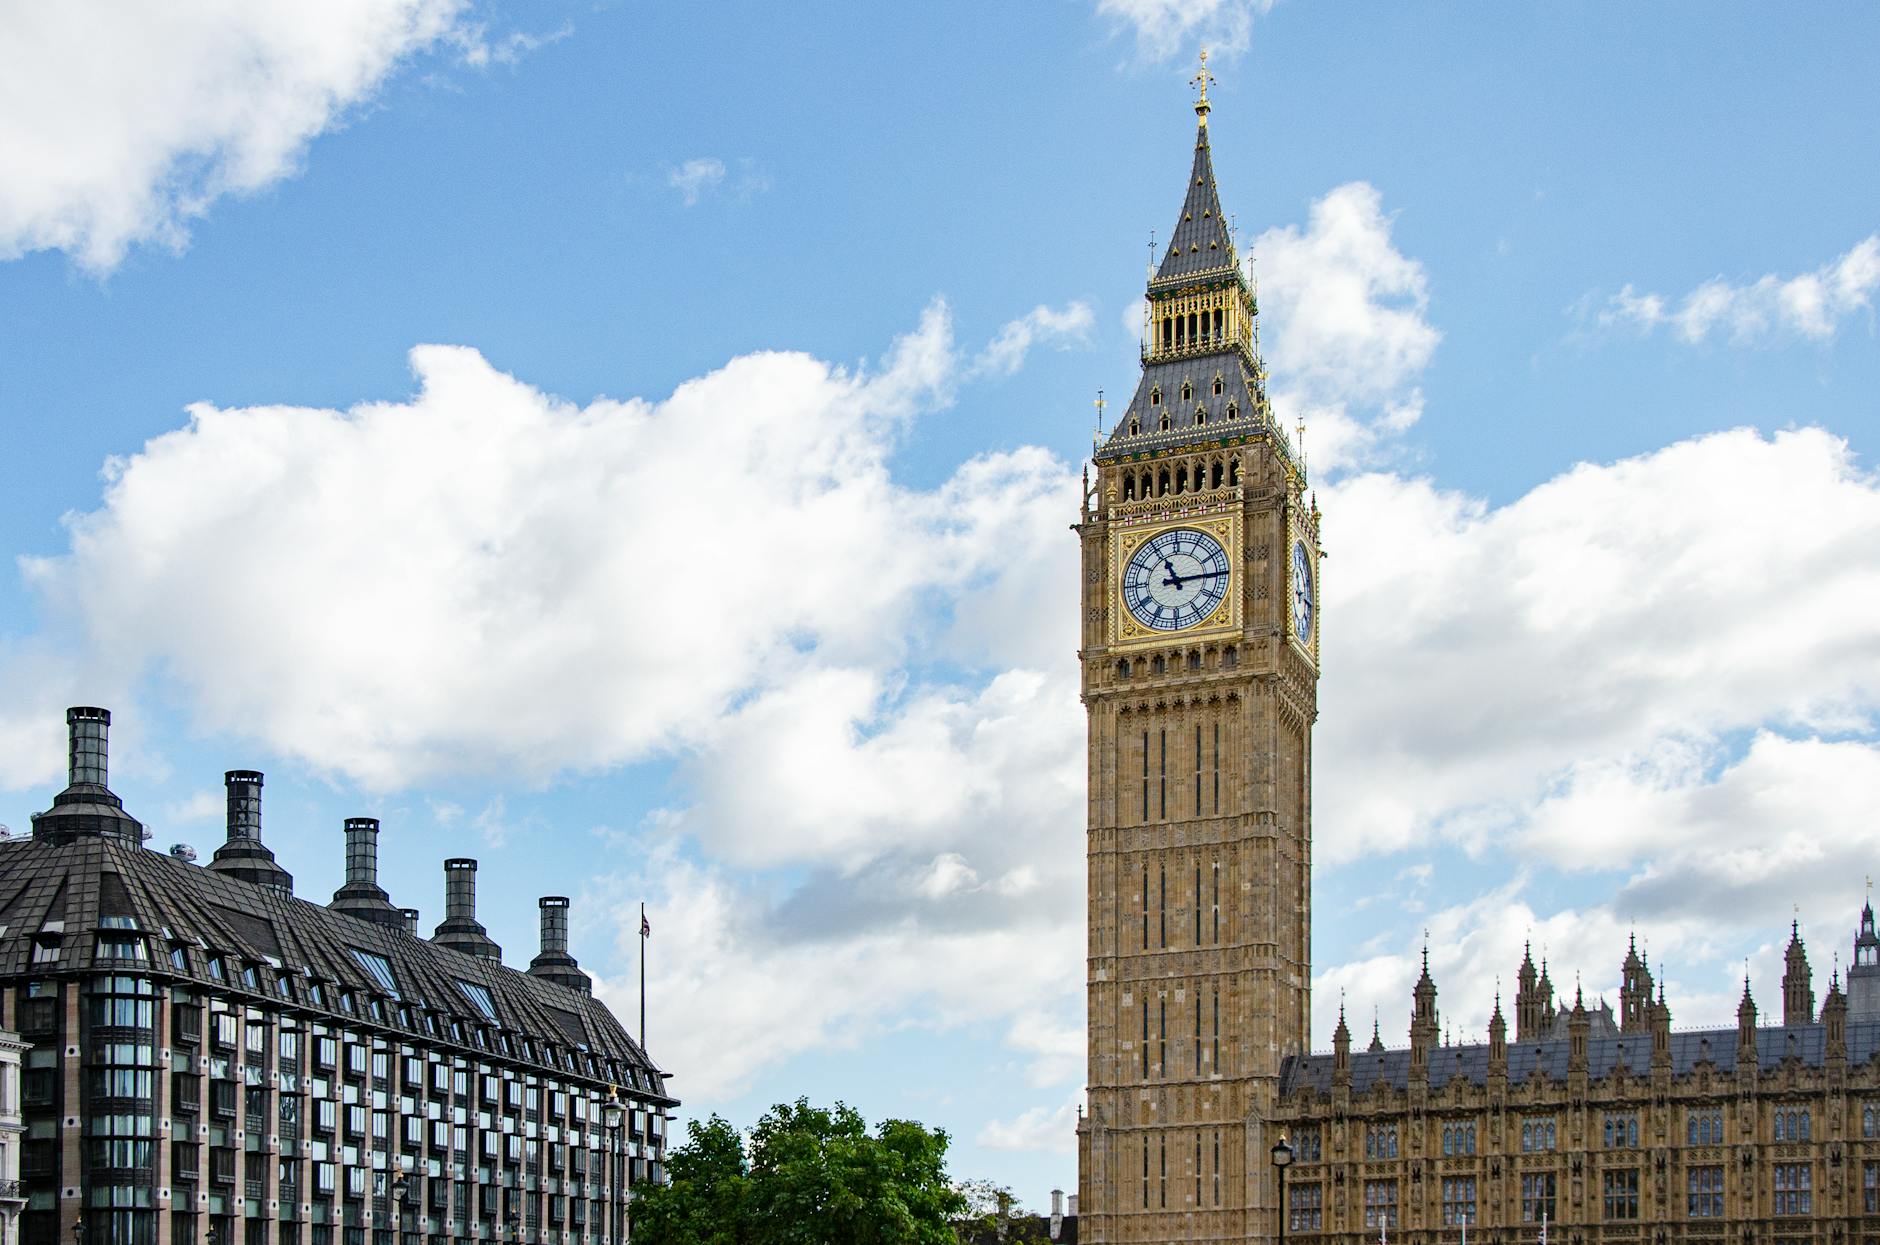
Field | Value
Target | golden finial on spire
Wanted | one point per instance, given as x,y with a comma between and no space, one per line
1202,80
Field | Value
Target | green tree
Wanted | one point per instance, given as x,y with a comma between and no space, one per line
808,1176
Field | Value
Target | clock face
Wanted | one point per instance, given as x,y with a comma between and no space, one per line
1176,579
1301,591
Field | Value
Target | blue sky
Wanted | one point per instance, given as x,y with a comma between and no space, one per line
633,446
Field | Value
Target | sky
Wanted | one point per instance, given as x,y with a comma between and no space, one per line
634,446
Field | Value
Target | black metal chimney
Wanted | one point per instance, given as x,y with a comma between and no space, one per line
411,919
554,963
362,896
460,929
244,856
87,806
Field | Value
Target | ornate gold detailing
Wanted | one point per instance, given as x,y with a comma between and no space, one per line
1202,80
1125,631
1187,505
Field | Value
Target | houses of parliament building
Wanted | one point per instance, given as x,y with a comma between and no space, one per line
1200,556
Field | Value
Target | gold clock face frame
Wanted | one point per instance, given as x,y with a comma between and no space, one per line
1124,629
1309,642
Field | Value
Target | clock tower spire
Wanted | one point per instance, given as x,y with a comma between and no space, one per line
1200,647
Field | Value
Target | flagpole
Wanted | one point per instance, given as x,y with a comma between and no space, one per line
643,932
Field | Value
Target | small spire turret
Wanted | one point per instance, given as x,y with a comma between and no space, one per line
1798,988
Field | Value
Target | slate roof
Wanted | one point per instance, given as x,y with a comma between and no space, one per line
1313,1073
1200,242
57,893
1238,390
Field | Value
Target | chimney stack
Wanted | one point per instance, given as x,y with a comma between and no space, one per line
89,731
1057,1201
460,930
362,851
362,897
411,920
244,856
554,963
86,807
244,803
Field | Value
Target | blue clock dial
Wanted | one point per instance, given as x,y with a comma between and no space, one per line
1302,590
1176,579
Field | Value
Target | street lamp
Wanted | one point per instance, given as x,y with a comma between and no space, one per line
613,1115
78,1229
1282,1159
401,1188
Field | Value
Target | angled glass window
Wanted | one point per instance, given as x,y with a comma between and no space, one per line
380,968
479,995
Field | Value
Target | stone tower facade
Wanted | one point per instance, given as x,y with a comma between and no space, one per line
1200,557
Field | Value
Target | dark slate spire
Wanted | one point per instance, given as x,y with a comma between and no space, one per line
1202,380
1200,242
87,806
244,855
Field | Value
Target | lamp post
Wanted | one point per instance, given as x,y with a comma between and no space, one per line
613,1115
401,1187
78,1229
1282,1159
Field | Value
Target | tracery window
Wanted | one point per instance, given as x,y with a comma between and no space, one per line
1704,1128
1619,1191
1794,1192
1537,1197
1458,1200
1537,1133
1380,1203
1704,1190
1622,1131
1307,1203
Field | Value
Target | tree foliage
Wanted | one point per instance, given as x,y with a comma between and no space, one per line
808,1176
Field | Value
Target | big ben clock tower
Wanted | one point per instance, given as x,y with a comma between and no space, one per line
1200,678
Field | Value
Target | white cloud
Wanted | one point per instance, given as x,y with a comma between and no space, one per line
119,124
1813,305
1478,658
521,565
1042,325
730,978
199,806
696,176
1164,28
1052,1129
1345,325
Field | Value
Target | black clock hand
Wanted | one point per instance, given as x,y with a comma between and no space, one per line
1173,580
1176,583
